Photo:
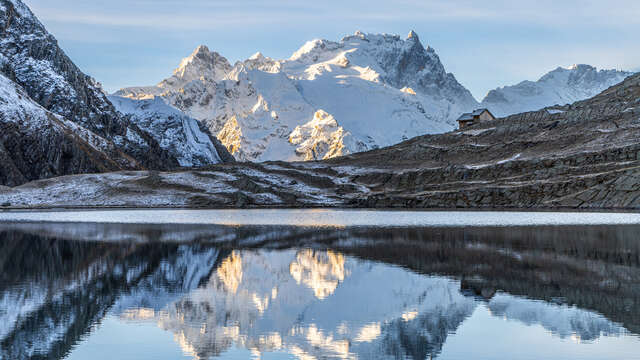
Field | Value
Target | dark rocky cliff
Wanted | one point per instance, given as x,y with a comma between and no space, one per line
31,58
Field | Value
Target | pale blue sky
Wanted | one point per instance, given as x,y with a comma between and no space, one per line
485,44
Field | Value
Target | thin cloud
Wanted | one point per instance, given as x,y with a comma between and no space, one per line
158,21
193,15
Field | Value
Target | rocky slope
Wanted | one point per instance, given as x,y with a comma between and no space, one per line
35,143
584,155
62,123
378,90
581,155
558,87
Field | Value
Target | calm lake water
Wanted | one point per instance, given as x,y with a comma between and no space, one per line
344,285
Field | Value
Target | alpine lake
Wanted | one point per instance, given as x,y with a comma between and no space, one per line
319,284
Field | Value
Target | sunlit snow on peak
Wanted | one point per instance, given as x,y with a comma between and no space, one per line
361,81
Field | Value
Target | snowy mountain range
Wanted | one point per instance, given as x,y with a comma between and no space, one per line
558,87
335,98
328,99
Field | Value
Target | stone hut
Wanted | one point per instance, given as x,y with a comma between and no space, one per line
475,117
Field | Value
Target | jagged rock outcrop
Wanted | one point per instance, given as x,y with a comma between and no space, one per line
321,138
36,144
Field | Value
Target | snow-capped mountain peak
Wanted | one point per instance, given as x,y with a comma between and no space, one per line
257,56
312,50
381,88
256,62
559,86
413,35
395,62
201,64
574,67
570,73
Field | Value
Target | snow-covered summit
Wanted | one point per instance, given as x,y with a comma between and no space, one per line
202,64
559,86
381,88
386,58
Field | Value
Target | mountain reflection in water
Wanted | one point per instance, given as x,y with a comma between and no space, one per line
311,293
